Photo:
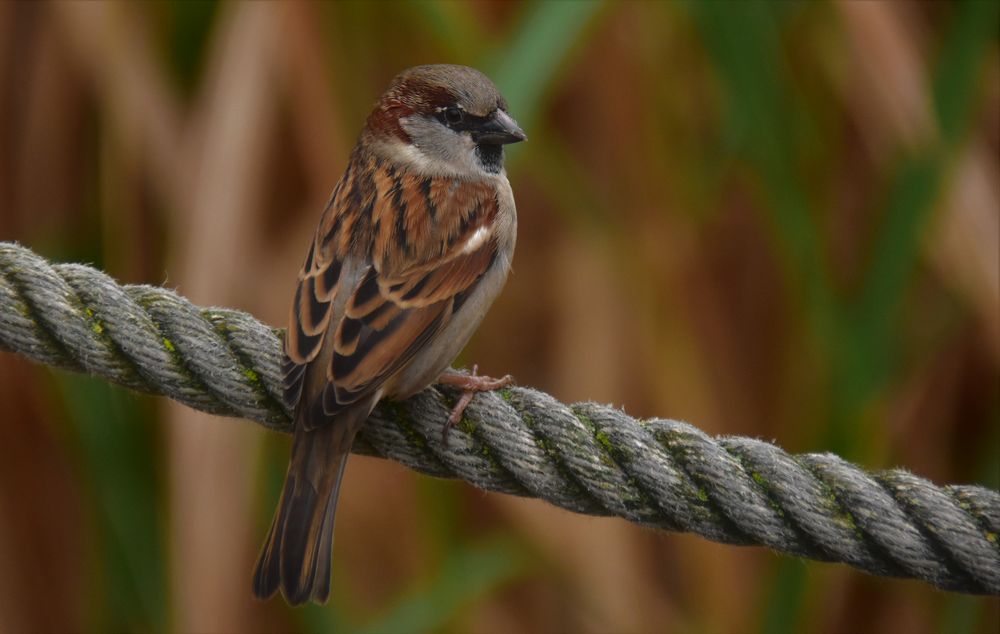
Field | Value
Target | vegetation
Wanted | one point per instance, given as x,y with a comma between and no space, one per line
778,220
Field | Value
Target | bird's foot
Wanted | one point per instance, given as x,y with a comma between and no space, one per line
469,384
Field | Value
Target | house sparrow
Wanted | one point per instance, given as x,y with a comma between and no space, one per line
413,247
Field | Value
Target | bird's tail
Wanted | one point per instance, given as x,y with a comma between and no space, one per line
296,554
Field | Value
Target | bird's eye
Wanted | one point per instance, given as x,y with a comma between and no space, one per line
453,115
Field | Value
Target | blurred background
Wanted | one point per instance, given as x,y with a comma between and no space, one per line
776,220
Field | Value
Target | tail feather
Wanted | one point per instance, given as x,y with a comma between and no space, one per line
296,555
266,576
308,535
321,580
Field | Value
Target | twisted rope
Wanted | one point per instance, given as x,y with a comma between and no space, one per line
585,457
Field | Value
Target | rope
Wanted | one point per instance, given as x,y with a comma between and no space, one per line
584,457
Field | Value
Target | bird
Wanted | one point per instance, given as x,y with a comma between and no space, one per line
412,248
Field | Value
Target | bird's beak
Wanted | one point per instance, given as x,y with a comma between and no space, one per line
498,129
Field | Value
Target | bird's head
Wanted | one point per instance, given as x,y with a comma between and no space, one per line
441,120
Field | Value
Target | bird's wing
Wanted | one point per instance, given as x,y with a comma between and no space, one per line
394,258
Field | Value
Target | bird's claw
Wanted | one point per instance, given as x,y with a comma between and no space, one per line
469,384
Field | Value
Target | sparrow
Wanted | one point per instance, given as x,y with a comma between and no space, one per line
410,252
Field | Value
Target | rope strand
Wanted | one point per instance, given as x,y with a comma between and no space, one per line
585,457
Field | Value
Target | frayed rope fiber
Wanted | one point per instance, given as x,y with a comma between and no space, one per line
584,457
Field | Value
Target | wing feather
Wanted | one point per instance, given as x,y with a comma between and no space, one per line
394,257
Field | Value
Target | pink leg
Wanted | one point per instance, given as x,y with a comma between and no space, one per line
470,384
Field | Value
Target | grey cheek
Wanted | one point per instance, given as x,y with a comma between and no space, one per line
429,134
442,144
